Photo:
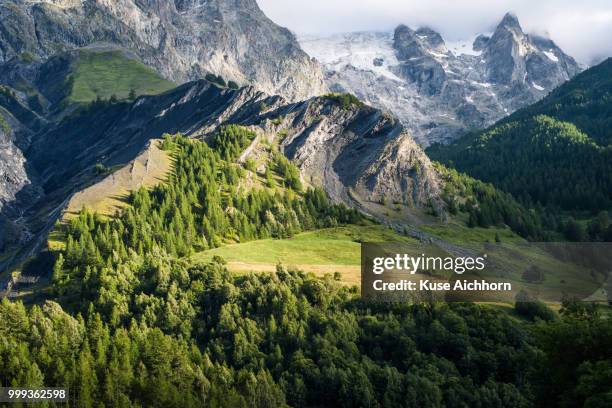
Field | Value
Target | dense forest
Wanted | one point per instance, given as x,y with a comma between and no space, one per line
583,101
541,160
133,322
554,157
287,338
486,206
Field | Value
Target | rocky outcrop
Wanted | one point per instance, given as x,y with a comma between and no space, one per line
513,58
441,90
183,39
358,154
402,174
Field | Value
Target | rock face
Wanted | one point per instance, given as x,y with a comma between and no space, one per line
14,183
358,154
12,165
183,39
440,90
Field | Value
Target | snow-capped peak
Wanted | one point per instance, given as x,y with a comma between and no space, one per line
370,51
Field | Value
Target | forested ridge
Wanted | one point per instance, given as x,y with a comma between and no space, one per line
583,101
487,206
554,157
205,203
134,323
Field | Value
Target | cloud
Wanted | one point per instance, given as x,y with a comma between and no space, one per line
582,28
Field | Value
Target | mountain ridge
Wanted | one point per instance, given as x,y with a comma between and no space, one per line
554,154
61,157
441,90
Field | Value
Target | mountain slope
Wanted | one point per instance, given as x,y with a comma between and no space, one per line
36,94
556,152
107,74
202,336
48,87
583,101
183,39
356,153
440,90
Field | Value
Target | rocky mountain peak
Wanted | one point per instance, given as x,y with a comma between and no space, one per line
409,43
406,42
480,42
431,38
508,34
515,58
439,88
509,22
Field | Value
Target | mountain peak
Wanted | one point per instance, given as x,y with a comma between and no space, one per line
510,21
432,38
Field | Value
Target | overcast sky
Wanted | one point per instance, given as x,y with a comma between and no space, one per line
582,28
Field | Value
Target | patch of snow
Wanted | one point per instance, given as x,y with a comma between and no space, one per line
551,56
358,49
536,86
422,37
437,54
462,47
469,99
483,84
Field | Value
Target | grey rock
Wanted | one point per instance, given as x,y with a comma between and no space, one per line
358,155
441,90
182,39
480,42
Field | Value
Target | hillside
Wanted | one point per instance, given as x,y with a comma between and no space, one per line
104,74
584,101
49,87
181,40
110,194
357,154
555,153
148,307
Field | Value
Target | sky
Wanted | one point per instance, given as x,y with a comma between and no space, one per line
582,28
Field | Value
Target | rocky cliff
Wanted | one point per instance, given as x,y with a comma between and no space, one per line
183,39
439,89
359,154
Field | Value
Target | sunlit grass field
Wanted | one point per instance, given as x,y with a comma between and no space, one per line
322,251
102,74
